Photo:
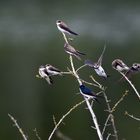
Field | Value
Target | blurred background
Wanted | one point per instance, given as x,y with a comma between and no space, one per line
29,38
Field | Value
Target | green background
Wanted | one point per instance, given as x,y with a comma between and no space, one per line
29,38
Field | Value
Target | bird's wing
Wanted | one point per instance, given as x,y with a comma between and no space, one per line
101,56
64,24
54,69
49,80
89,63
65,27
69,48
80,52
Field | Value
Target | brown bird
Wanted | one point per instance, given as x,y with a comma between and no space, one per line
62,27
52,70
44,74
72,51
119,65
134,69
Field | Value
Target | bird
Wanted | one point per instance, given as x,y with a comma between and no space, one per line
134,69
88,93
44,74
72,51
97,66
52,70
119,65
62,27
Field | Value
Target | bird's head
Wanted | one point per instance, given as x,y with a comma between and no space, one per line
82,86
58,22
136,65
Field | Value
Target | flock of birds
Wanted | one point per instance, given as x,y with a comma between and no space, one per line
47,71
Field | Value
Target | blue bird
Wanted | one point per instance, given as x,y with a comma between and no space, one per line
88,93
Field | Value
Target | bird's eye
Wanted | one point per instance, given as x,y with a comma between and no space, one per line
59,21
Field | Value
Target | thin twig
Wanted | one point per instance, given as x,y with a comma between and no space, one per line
18,127
65,38
89,83
108,136
37,135
62,136
105,125
59,134
111,116
114,127
137,93
97,83
87,102
132,116
74,71
81,67
121,99
63,117
94,119
67,72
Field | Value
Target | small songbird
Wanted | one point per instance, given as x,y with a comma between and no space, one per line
72,51
97,66
62,27
134,69
44,74
119,65
88,93
52,70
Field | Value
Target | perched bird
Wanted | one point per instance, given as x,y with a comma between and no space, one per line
119,65
62,27
72,51
97,66
134,69
44,74
52,70
88,93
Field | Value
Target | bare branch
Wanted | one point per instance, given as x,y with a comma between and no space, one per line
111,116
108,136
121,99
94,119
63,117
37,135
62,136
80,67
99,85
87,102
65,38
18,127
137,93
89,83
105,125
132,116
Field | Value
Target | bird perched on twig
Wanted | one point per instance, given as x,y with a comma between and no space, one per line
134,69
47,71
52,70
119,65
97,66
72,51
44,74
62,27
88,93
